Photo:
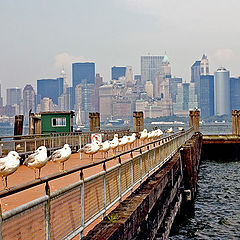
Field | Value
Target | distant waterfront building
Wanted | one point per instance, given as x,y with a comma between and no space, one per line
105,101
28,100
46,105
118,72
50,88
235,93
186,99
173,82
221,92
206,103
14,96
98,84
149,88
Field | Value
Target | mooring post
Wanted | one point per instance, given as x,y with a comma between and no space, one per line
94,122
191,116
18,125
238,122
234,122
196,120
137,121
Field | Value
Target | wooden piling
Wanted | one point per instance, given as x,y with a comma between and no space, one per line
94,122
234,122
18,125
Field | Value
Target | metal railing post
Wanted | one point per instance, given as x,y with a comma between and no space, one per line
104,190
120,178
47,213
132,180
82,204
1,222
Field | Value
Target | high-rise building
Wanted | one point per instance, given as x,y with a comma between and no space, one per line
118,72
235,93
105,101
28,100
50,88
98,84
173,82
221,92
14,96
206,103
199,68
149,88
150,65
185,99
1,99
46,105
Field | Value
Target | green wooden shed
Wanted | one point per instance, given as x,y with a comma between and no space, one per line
56,122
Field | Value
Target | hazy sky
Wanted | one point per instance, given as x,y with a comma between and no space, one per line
37,38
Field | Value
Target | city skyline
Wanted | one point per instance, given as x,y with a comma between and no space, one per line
36,43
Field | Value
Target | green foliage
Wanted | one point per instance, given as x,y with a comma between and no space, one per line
112,218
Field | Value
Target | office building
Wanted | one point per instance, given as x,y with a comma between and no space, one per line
221,92
206,103
235,93
118,72
50,88
14,96
173,82
1,99
28,100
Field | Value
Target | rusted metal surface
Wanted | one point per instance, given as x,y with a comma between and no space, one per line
220,139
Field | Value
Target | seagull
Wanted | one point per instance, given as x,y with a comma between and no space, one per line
151,135
181,129
37,160
158,132
170,130
131,139
9,165
90,149
114,143
144,135
123,141
104,147
61,156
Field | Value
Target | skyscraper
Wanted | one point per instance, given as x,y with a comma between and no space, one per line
50,88
150,65
206,103
235,93
221,92
82,73
118,72
28,100
14,96
1,99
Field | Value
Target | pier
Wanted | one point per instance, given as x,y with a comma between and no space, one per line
134,194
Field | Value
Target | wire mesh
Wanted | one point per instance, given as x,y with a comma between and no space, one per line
65,213
112,186
93,197
144,163
26,225
136,169
125,176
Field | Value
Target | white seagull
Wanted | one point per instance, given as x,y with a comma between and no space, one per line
9,165
61,156
114,143
170,130
131,139
90,149
144,135
104,147
123,141
159,132
37,160
181,129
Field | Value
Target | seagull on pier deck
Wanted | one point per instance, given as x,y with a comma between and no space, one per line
90,149
132,139
104,147
144,135
9,165
37,160
61,156
114,143
170,130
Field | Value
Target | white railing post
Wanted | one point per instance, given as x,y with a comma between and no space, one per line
131,155
47,213
104,190
120,179
82,204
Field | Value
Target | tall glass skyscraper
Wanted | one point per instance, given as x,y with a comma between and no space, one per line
14,96
118,72
50,88
207,95
221,92
235,93
28,100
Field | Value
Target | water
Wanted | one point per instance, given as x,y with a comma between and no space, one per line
217,205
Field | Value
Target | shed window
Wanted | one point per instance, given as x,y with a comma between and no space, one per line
58,122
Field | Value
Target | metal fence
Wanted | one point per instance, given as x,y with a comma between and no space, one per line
25,145
65,213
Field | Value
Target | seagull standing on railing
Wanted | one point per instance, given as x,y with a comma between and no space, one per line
9,165
61,156
170,130
104,147
181,129
37,160
158,133
114,143
90,149
123,142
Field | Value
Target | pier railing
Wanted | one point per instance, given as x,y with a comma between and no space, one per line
25,145
67,212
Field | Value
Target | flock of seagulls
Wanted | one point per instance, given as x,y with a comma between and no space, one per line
38,159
